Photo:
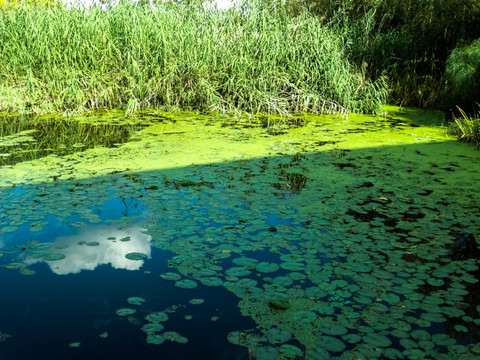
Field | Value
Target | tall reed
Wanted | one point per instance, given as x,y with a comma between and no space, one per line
255,58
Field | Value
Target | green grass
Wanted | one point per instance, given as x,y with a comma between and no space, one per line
468,127
259,60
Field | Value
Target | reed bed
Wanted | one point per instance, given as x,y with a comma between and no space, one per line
254,59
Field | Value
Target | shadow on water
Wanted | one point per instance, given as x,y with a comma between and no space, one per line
368,252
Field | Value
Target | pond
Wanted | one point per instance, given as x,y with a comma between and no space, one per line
186,236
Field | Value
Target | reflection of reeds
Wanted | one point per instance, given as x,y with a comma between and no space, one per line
255,60
468,127
294,182
33,138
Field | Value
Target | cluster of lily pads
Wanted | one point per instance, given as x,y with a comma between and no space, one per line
344,262
154,326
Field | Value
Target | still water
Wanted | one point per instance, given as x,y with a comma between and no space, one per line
192,237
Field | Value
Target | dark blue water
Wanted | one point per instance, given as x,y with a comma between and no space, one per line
66,302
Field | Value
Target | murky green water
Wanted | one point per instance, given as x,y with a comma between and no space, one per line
322,238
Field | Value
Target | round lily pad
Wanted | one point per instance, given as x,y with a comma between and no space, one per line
267,267
282,281
305,316
174,336
330,343
393,354
186,284
125,312
278,336
246,283
292,266
152,328
54,257
352,338
420,334
245,262
135,300
290,350
461,328
377,340
435,282
196,301
135,256
157,317
318,354
212,281
155,339
238,271
333,329
266,353
171,276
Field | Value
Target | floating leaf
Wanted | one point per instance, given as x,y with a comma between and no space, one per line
125,312
267,267
377,340
135,300
186,284
290,350
157,317
330,343
333,329
155,339
278,336
136,256
171,276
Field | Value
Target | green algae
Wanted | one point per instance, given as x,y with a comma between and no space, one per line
368,239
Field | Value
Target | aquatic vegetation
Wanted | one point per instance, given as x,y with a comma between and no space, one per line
353,265
125,312
135,300
468,127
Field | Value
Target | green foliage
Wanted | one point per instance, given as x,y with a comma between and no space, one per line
468,127
408,41
258,59
463,74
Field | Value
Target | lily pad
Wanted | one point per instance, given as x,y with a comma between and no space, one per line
136,256
157,317
212,281
377,340
266,353
186,284
245,262
292,266
135,300
278,336
238,271
155,339
175,337
333,329
267,267
125,312
290,350
54,257
330,343
305,316
171,276
152,328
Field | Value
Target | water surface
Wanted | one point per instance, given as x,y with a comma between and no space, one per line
220,238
